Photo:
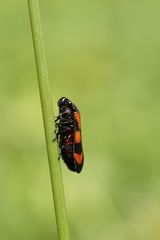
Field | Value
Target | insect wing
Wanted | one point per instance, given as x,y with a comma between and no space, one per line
77,143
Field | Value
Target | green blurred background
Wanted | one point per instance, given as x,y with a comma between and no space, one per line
105,56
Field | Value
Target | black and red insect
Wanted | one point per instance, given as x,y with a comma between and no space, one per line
68,134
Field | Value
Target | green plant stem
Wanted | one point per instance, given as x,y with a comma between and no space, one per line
48,116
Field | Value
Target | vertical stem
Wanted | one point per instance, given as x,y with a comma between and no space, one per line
47,112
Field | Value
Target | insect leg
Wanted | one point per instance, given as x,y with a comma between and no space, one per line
63,130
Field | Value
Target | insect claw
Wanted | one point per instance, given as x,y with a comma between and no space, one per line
54,139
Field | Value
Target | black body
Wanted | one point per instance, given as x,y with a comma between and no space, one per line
66,126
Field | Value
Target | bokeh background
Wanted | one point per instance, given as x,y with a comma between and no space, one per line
105,56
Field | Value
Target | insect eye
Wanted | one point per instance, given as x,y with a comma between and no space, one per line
62,102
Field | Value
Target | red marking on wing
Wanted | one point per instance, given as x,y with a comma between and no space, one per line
78,158
77,117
